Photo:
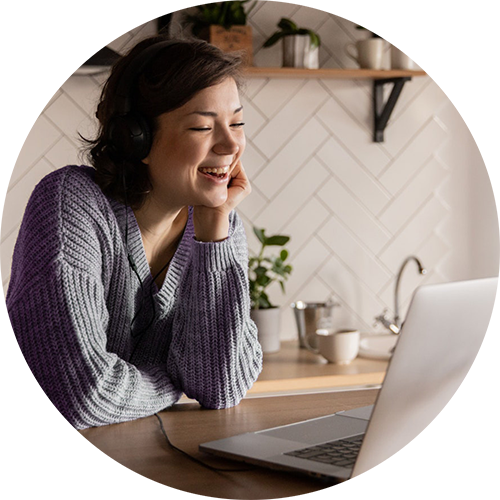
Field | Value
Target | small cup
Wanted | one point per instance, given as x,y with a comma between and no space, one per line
399,60
339,347
368,53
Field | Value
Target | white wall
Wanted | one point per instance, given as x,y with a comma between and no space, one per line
354,209
475,101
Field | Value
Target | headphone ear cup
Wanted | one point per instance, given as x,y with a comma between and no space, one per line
143,146
130,137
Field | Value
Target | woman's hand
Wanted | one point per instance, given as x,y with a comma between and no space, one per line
238,188
212,223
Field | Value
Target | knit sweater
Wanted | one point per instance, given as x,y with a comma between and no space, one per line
107,347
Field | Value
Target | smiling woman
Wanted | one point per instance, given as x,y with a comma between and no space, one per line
203,137
129,280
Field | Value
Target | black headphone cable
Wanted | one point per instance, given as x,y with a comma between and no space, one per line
194,459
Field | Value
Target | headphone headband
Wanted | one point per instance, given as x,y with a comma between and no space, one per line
123,96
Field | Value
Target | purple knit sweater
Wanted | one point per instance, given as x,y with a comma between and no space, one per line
72,300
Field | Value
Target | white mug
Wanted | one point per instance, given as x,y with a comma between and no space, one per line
399,60
369,52
339,347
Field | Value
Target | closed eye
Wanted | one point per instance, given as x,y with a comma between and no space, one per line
204,129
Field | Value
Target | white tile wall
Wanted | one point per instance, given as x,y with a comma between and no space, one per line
357,104
354,215
356,256
412,158
414,234
422,186
289,161
294,191
356,139
289,119
274,95
354,209
354,176
42,137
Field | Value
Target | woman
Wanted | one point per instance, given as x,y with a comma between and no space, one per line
129,279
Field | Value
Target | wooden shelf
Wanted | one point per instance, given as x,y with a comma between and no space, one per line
346,74
380,78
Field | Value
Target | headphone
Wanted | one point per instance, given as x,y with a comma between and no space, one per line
129,133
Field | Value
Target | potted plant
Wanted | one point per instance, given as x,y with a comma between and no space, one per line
263,271
224,24
300,45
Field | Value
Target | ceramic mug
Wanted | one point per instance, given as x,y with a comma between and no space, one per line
399,60
339,347
369,53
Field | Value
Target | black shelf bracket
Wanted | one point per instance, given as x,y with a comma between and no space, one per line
382,112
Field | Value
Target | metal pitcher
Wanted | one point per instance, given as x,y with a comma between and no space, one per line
298,52
307,316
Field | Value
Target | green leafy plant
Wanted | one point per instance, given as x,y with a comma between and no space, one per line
225,14
266,270
288,27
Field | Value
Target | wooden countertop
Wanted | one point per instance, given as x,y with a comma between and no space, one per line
140,446
299,370
293,370
307,386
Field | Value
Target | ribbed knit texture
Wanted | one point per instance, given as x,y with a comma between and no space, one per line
72,298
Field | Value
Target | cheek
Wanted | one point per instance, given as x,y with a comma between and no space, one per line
242,142
181,157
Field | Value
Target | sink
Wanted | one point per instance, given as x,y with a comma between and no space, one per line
377,346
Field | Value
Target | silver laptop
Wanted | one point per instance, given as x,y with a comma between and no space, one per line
438,343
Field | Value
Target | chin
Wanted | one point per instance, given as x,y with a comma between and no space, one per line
215,203
215,200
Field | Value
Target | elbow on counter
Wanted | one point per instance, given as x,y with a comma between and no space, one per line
84,417
235,388
96,407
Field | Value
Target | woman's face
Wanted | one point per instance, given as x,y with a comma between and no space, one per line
196,148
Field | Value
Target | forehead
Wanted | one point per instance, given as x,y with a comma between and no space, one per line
221,100
222,96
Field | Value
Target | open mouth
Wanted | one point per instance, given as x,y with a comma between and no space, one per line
215,172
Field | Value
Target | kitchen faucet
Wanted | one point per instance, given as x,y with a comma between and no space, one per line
395,325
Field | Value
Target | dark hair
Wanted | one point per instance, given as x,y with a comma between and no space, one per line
168,81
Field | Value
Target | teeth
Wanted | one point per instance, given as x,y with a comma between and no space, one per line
214,170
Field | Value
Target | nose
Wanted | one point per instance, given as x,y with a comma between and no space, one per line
226,144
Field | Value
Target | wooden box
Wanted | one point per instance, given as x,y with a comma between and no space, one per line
236,38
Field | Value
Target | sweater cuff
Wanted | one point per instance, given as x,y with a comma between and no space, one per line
214,255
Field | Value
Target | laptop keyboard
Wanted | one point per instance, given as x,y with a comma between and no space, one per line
341,453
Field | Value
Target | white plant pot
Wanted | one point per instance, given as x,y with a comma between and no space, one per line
298,52
268,326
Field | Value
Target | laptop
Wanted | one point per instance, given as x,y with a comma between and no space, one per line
437,345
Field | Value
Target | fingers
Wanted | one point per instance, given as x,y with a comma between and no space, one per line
239,176
239,187
238,170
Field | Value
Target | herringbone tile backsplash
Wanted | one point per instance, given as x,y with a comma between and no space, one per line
354,209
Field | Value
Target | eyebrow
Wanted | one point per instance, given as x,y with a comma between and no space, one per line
212,113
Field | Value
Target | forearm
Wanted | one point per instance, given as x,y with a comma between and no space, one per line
87,384
215,356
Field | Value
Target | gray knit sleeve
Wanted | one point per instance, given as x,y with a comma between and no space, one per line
60,326
215,356
58,306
